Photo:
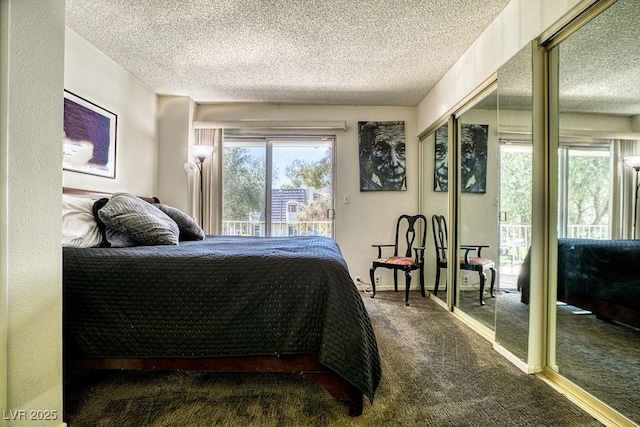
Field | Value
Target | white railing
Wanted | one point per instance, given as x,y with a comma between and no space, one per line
285,228
588,231
515,239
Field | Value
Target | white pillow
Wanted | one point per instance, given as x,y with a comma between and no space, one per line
79,226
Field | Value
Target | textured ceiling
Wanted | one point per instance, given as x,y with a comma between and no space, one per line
600,63
349,52
599,68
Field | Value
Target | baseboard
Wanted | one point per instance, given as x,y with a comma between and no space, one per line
483,330
520,364
593,406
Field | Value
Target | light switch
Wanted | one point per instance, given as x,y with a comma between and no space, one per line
347,199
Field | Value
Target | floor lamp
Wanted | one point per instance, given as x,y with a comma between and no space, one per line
201,152
634,162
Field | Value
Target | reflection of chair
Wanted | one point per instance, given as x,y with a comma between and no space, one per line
416,226
477,263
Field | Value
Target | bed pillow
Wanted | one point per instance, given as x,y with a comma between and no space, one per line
110,237
116,239
79,227
189,229
139,220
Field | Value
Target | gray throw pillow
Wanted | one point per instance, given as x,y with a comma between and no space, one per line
189,229
139,220
117,239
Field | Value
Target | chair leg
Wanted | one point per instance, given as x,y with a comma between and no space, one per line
483,279
373,281
407,275
435,288
493,281
422,281
395,280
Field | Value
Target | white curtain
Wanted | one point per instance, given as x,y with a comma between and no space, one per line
211,183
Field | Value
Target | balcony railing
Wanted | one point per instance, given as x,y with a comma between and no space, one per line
516,239
279,229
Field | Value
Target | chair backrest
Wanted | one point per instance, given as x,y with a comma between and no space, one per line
416,226
439,225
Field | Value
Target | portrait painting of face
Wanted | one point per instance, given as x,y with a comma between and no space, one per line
382,156
89,141
441,167
473,162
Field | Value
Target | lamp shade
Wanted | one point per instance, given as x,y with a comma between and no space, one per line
633,161
200,151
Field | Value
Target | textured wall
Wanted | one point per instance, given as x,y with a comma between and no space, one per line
34,63
91,75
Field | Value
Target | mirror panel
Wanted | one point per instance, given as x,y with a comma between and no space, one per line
477,131
435,201
515,104
598,293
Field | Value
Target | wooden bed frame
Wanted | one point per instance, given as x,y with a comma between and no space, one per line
306,366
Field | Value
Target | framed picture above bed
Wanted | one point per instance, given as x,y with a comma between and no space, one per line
89,141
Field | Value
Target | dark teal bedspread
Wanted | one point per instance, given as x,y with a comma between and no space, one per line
223,296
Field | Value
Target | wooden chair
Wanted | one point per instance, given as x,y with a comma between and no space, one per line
472,263
416,226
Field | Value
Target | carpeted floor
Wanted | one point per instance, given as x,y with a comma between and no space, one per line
436,372
600,357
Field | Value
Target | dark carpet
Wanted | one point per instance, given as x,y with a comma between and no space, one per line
436,372
599,356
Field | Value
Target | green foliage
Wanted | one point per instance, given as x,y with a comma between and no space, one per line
588,198
316,175
516,186
316,210
244,186
306,174
588,188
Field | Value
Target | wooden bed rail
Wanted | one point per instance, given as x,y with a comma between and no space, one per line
306,366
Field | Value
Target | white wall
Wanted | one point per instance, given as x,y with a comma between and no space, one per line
370,217
175,134
519,23
93,76
31,121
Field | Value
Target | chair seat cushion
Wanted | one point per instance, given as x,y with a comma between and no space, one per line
397,260
478,261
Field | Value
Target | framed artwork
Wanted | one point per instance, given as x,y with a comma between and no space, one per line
89,141
382,156
441,166
473,163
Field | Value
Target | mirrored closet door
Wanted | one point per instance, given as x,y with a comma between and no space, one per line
597,287
515,89
478,233
434,204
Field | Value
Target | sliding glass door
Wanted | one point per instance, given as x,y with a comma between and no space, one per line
277,186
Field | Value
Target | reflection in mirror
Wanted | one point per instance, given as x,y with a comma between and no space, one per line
478,207
598,291
435,202
515,86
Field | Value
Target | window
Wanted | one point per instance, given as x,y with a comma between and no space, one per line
277,186
584,196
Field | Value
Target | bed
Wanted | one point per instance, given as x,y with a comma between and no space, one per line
601,276
224,303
